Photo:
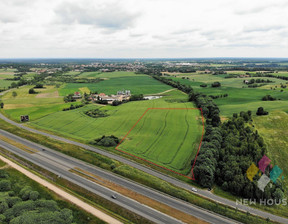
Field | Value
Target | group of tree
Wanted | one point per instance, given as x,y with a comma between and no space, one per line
270,75
241,147
209,109
269,98
261,111
39,86
218,96
22,204
255,85
106,141
96,113
136,97
176,84
1,105
32,91
206,163
72,107
69,98
216,84
252,81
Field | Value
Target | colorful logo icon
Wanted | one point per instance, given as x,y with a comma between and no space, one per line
264,179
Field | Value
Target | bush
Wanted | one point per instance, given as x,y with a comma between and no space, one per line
116,103
136,97
268,98
5,185
32,91
106,141
3,174
216,84
33,195
95,113
203,85
3,207
261,112
39,86
12,201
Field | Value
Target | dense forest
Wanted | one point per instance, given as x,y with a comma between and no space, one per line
21,204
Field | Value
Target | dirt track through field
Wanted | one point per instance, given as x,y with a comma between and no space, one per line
63,194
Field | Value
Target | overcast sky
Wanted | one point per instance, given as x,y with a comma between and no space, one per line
143,28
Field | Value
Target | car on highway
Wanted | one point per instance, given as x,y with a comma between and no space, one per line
114,196
194,189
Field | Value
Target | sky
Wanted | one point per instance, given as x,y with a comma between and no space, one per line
143,28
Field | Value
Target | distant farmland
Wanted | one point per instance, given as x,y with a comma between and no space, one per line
137,84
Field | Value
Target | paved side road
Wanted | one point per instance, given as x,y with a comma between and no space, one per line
162,176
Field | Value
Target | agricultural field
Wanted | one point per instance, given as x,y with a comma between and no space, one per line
76,124
107,75
4,74
165,137
46,101
239,98
137,84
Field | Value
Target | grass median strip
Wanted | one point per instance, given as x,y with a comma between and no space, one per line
18,145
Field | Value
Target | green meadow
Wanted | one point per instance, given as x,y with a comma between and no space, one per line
46,101
4,74
240,97
137,84
108,75
274,130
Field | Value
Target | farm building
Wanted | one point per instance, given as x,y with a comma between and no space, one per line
77,95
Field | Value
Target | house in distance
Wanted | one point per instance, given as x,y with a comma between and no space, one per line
122,95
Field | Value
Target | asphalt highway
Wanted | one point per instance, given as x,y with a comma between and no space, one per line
162,176
60,164
104,192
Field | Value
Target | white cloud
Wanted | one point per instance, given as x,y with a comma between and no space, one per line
143,28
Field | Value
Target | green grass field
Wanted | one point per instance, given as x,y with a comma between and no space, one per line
76,124
137,84
107,75
239,98
4,75
35,105
274,130
166,137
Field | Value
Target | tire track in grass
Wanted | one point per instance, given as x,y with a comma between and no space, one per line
181,144
157,136
187,161
135,149
68,123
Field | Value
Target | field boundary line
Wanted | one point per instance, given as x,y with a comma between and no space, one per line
159,108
